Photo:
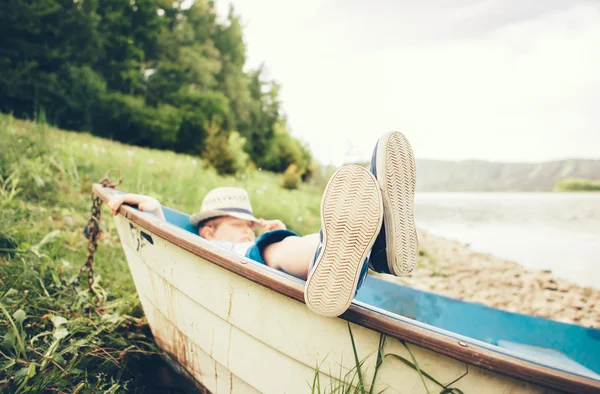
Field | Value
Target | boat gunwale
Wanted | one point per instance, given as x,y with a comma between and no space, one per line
420,336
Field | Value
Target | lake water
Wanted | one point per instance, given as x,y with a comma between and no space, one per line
555,231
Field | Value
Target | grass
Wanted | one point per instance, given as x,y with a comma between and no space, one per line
352,382
53,337
577,185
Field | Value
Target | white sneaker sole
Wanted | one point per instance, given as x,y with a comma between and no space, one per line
351,217
396,174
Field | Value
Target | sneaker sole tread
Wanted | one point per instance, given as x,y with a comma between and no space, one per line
351,216
397,179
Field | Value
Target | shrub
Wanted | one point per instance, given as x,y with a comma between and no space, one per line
284,151
577,185
291,177
198,108
127,119
78,91
225,151
240,158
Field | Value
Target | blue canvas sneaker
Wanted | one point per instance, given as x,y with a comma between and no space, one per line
396,248
351,216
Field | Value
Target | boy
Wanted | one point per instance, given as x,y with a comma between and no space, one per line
367,220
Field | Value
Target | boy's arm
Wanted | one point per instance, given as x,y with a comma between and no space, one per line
144,203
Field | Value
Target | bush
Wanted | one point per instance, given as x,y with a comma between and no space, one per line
159,127
320,174
312,170
198,108
240,158
577,185
284,151
118,116
127,119
291,177
78,91
225,151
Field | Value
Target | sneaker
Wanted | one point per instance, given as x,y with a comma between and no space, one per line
396,249
351,216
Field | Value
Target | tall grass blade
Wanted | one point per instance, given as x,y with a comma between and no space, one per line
416,364
16,331
361,385
446,389
380,358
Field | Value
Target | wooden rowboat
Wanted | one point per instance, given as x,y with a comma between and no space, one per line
239,327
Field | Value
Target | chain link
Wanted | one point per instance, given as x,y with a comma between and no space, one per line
92,229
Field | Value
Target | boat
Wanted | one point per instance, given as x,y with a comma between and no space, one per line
236,326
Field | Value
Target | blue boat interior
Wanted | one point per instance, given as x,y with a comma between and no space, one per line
567,347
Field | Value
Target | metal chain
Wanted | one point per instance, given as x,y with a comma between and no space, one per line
92,229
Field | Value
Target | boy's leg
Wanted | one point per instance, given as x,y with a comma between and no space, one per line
292,254
351,216
393,164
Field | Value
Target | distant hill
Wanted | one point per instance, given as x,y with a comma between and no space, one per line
476,175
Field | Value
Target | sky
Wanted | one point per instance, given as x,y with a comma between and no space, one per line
499,80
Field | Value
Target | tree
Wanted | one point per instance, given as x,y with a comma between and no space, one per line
155,73
128,32
38,40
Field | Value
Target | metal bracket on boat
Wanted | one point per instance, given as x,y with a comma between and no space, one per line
92,230
139,237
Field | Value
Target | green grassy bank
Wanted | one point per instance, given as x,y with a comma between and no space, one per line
577,185
53,338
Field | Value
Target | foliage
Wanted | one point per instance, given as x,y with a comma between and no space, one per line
197,105
291,177
285,151
225,152
127,118
146,72
577,185
81,91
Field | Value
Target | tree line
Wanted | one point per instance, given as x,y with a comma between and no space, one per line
155,73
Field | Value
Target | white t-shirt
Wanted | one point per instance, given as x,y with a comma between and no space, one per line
240,248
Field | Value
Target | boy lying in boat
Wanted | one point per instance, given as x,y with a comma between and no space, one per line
367,222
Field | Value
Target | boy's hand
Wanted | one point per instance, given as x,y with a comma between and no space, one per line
271,225
115,203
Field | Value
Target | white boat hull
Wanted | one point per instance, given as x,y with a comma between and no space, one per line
236,336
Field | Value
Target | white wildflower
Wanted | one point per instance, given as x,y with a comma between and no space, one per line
130,153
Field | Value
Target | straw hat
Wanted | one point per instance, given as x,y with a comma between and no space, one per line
225,201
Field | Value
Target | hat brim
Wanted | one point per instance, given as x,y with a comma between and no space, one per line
199,217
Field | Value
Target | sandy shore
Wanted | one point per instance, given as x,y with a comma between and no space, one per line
453,269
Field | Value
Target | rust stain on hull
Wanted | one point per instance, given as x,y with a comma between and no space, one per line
176,346
172,340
